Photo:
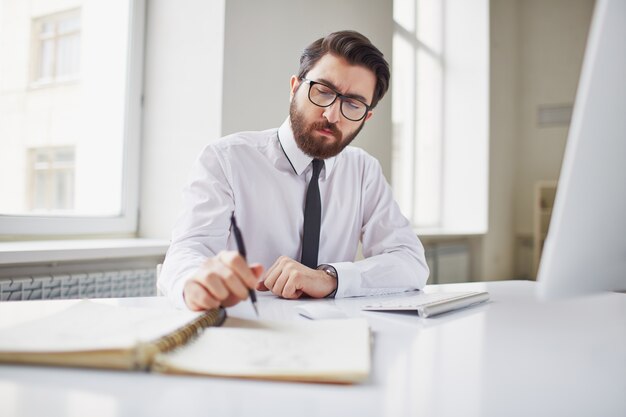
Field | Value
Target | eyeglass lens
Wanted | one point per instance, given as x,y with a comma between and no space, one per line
323,96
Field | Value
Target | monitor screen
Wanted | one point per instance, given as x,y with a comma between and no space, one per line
585,250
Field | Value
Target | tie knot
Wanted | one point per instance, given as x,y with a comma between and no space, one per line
317,167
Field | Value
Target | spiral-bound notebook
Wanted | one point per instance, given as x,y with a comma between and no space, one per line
97,335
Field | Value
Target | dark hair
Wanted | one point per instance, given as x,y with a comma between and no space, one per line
354,48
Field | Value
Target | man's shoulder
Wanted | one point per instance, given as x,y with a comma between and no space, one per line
253,139
360,156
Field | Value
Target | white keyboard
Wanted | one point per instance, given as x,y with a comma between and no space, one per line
430,304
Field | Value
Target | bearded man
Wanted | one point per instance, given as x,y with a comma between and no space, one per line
302,197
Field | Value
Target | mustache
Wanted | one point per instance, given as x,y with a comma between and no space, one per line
325,125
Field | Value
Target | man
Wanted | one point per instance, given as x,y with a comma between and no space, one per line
302,198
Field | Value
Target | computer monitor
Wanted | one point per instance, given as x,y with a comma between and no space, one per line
585,250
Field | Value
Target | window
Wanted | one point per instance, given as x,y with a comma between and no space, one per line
52,179
440,114
56,47
417,116
69,151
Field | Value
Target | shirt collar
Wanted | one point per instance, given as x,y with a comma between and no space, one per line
298,159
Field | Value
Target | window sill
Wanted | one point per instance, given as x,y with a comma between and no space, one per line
19,253
436,233
52,83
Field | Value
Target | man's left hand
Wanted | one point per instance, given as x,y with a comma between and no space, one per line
288,278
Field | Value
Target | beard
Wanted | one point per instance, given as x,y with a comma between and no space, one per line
317,147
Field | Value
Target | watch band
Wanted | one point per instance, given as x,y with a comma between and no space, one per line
330,270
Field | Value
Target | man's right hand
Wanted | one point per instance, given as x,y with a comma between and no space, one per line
222,280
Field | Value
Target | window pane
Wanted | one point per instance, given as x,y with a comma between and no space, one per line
64,190
74,121
427,203
431,133
47,28
68,24
68,55
39,191
41,158
403,115
53,179
429,28
46,59
404,14
64,155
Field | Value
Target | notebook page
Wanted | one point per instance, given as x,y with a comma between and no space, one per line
267,349
90,325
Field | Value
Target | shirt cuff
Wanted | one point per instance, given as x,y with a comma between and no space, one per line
176,295
348,279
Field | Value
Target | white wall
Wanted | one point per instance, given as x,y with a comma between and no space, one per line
182,102
551,49
263,43
494,257
537,48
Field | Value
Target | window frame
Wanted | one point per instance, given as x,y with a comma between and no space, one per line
126,222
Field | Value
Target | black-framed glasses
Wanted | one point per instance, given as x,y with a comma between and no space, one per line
324,96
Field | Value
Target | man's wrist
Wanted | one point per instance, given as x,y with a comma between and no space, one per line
332,272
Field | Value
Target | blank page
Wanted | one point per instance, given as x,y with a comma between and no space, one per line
323,350
89,325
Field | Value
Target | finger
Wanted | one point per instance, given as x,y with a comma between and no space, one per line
213,282
197,297
231,300
270,271
235,261
280,283
272,274
257,270
260,286
233,282
188,296
293,288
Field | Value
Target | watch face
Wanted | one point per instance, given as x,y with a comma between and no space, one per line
331,271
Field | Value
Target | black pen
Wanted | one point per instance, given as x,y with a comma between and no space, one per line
242,251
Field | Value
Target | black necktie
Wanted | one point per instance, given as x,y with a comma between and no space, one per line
312,219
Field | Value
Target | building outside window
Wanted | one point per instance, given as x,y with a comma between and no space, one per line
51,179
56,47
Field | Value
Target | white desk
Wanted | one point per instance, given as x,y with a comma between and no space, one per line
515,356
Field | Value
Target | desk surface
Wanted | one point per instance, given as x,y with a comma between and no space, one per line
515,356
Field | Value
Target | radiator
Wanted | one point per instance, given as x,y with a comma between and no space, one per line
107,284
448,262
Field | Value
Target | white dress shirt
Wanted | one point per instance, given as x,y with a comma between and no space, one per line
263,178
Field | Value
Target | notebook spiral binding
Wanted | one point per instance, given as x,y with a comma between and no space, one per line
147,352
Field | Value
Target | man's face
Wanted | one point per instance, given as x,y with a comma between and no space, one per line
323,132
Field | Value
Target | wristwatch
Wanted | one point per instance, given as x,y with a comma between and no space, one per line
330,270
